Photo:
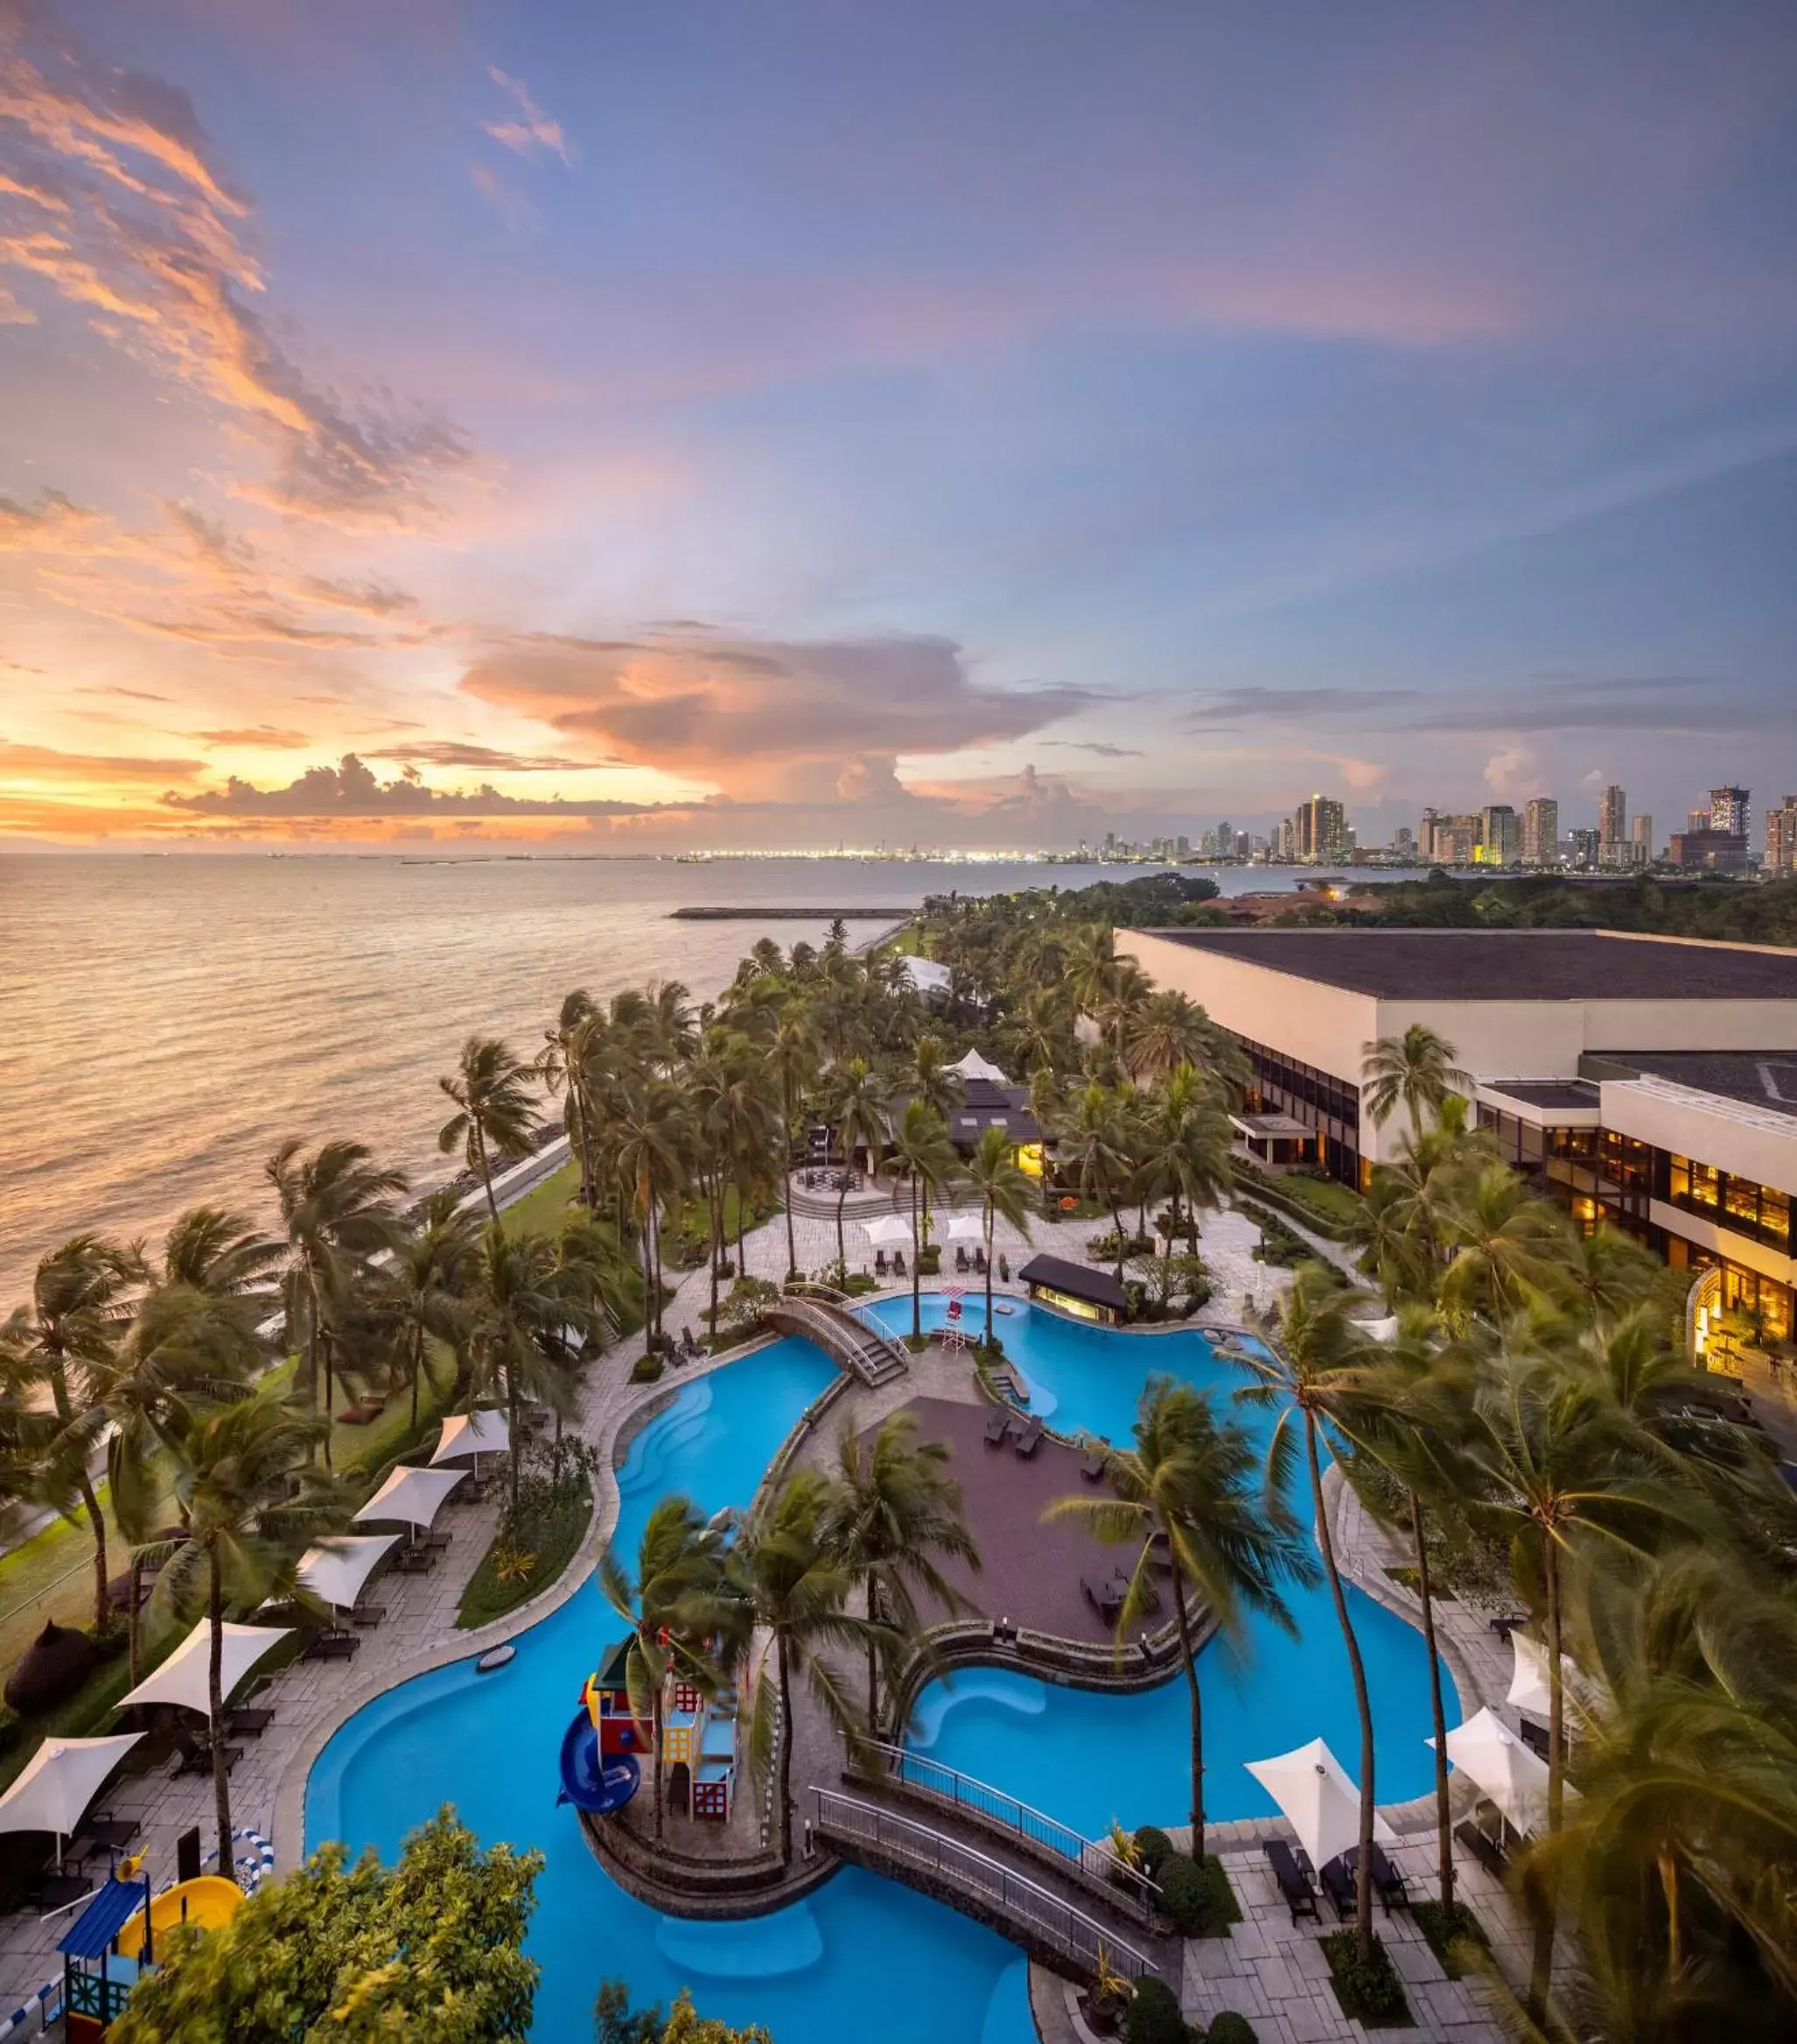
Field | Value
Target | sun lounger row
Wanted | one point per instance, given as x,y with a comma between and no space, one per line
1025,1430
1297,1881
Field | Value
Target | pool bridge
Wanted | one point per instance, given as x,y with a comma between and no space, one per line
1003,1881
825,1317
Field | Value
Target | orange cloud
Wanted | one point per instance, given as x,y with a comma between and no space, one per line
534,132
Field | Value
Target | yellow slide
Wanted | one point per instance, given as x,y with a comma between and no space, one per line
206,1902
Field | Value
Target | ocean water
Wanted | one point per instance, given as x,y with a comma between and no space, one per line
168,1021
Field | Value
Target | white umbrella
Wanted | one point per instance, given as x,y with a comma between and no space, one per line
973,1066
888,1228
183,1679
1311,1787
1528,1684
472,1433
412,1496
966,1227
1489,1753
59,1781
335,1571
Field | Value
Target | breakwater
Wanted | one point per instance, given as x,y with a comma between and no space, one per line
778,913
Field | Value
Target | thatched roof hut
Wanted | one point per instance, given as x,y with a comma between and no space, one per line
51,1670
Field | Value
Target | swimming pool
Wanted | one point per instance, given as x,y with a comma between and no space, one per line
488,1745
1087,1757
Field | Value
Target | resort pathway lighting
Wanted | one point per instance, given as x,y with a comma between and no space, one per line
1318,1799
183,1679
1495,1759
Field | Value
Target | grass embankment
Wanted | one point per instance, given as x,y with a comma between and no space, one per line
1322,1204
543,1206
552,1543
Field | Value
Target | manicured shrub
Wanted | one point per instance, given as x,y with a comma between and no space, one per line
1155,1848
646,1369
1367,1989
1153,2014
1228,2028
1198,1898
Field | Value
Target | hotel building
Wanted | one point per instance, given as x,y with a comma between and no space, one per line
1647,1081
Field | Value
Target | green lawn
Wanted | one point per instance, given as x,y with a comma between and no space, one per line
542,1208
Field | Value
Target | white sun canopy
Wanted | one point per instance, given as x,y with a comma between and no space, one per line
966,1227
183,1678
1529,1684
1312,1789
60,1780
472,1433
888,1228
1488,1752
335,1571
973,1066
412,1496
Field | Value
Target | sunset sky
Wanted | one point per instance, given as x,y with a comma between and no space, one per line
778,423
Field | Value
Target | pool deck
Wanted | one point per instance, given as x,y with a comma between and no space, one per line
311,1700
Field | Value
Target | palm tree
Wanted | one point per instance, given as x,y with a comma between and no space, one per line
337,1215
1042,1031
1094,1147
1186,1141
1318,1363
1089,964
561,1063
214,1251
1189,1485
62,1342
495,1115
1167,1031
894,1510
1004,1192
1503,1243
251,1507
648,1130
858,1104
424,1280
785,1600
793,1053
1414,1071
922,1153
519,1303
1561,1470
678,1563
1126,1000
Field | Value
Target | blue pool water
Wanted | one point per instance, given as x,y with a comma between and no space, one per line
1085,1757
488,1744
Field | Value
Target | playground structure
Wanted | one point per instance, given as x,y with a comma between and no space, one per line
606,1744
118,1937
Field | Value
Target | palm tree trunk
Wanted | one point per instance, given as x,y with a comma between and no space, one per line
1326,1540
787,1181
131,1627
647,1230
873,1674
1116,1215
989,1274
1541,1959
215,1699
656,1727
330,1399
715,1209
841,1253
786,1758
512,1443
1188,1655
1443,1820
916,1257
485,1172
96,1522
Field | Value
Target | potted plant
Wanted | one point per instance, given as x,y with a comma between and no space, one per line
1126,1856
1107,1998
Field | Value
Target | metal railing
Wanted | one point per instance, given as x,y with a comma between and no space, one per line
1092,1857
874,1358
1016,1901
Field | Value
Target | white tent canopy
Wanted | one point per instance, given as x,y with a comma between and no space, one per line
183,1679
965,1228
887,1227
412,1496
1529,1684
1489,1753
472,1433
59,1781
1312,1789
335,1571
973,1066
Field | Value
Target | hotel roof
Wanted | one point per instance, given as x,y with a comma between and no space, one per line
1506,965
1765,1081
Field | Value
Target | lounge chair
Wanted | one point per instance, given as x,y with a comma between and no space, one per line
414,1561
959,1259
1097,1461
368,1615
1535,1737
195,1756
1507,1622
436,1542
1388,1883
1030,1439
247,1723
998,1425
880,1262
1295,1888
1104,1595
103,1834
979,1263
1483,1848
898,1270
1004,1272
60,1889
332,1647
1339,1885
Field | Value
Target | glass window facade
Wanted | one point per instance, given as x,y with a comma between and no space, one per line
1319,1099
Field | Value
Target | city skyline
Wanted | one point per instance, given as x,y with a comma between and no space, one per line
551,425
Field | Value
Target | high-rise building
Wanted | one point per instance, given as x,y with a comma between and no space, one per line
1696,820
1244,845
1458,840
1640,839
1587,850
1226,837
1613,827
1321,828
1182,847
1285,841
1425,834
1728,811
1781,838
1540,832
1404,842
1500,835
1710,851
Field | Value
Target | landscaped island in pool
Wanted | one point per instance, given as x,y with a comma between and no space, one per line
488,1743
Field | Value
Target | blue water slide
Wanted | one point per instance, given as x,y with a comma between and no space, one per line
588,1782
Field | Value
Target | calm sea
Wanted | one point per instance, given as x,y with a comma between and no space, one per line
164,1023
